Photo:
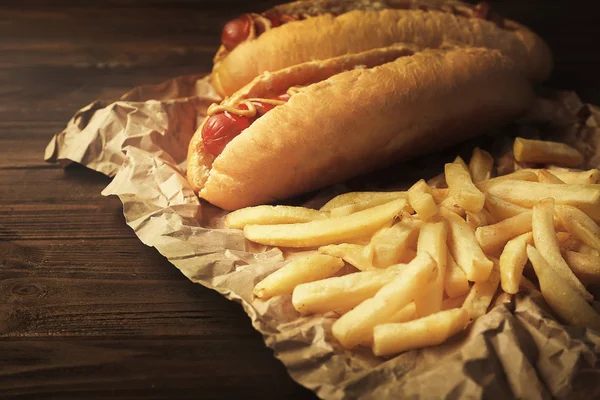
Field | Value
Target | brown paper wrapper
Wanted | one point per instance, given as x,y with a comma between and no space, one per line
517,350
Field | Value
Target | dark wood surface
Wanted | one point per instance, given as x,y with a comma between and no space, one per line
86,310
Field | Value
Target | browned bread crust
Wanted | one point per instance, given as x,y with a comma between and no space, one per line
360,120
327,36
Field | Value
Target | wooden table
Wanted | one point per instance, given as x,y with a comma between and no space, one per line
86,310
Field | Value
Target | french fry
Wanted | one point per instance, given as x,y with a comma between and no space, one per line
295,272
438,181
408,313
464,248
432,330
356,326
341,292
512,262
528,194
481,294
481,165
586,267
359,197
453,302
421,200
263,215
522,175
545,176
578,224
502,209
432,240
390,245
462,189
327,231
451,205
544,152
544,236
362,205
459,160
584,248
455,283
566,241
560,295
440,195
492,238
351,253
475,220
589,177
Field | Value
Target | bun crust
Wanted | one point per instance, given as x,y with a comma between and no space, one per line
319,38
360,120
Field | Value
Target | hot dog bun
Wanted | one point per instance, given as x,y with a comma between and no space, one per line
327,36
360,120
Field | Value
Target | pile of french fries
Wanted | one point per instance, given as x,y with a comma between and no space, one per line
428,261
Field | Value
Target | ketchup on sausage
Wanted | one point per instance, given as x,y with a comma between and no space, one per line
222,127
236,31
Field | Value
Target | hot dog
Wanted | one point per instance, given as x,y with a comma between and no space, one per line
346,116
297,32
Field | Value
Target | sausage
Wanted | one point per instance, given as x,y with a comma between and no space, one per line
222,127
236,31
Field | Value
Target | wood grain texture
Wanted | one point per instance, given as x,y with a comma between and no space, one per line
86,310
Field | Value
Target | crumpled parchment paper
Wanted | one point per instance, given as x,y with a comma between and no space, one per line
517,350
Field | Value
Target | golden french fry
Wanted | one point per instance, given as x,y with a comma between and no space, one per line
432,330
432,240
587,249
590,177
586,267
356,326
408,313
341,292
390,245
451,205
327,231
462,189
578,224
481,165
421,200
502,209
475,220
512,262
440,195
270,215
464,248
544,236
543,152
560,295
453,302
360,197
456,283
528,194
351,253
521,175
301,270
459,160
438,181
492,238
566,241
545,176
362,205
481,294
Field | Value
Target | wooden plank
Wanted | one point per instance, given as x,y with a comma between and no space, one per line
106,259
24,189
94,307
213,367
